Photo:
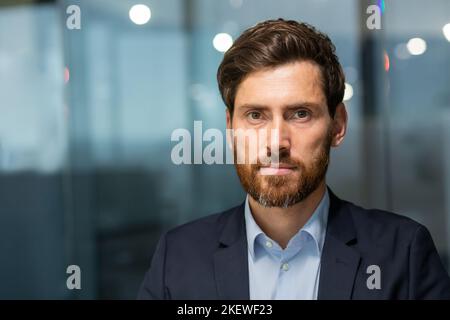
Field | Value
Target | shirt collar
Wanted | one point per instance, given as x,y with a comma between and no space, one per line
315,226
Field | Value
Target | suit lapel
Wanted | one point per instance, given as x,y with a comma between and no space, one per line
338,270
340,261
231,259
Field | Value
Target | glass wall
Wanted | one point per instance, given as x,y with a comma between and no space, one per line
418,114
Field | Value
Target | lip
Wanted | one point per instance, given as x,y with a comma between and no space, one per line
277,170
279,166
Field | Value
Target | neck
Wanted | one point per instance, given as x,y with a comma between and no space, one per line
281,224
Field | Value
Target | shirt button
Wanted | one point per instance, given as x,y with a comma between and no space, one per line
268,244
285,266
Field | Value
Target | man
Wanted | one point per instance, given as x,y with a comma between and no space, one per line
292,238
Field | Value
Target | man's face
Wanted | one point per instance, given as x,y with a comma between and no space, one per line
290,100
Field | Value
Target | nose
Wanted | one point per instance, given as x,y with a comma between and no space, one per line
279,145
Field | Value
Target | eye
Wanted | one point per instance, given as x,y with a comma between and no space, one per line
301,114
254,115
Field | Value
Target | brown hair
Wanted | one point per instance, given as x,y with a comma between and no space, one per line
275,42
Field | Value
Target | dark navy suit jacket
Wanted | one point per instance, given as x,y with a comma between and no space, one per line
207,258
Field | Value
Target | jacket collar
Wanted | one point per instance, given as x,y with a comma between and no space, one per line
231,259
340,260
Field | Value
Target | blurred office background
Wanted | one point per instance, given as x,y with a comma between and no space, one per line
86,117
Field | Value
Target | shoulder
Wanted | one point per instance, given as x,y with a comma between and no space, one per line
377,225
202,231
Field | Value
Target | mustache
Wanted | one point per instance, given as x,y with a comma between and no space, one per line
283,159
285,162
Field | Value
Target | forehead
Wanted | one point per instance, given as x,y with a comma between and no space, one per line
289,83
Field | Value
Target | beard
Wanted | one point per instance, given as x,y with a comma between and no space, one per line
285,190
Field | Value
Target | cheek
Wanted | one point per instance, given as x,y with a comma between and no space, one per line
307,145
247,150
253,146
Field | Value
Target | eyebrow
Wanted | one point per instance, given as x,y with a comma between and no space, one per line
294,106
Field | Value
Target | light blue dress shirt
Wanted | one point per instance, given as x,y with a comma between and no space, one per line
292,273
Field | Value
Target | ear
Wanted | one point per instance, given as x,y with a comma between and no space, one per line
229,129
339,125
227,111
